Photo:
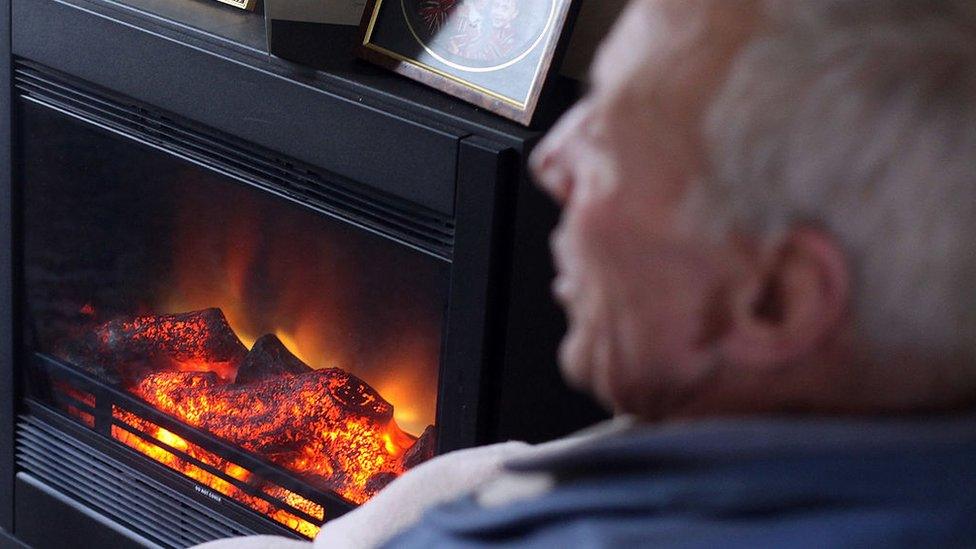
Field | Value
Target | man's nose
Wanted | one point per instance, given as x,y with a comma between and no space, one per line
551,162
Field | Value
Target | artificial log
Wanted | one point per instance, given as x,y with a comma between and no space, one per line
269,358
422,450
195,336
377,482
300,422
280,404
127,350
328,425
358,398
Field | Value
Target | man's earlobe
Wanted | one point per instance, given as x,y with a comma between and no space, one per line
793,301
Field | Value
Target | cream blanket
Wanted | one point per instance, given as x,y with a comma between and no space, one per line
442,479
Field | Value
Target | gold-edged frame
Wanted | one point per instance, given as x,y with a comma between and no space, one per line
248,5
517,109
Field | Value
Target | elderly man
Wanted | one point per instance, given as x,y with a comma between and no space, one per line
767,241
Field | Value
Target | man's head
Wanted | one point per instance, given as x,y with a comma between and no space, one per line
768,205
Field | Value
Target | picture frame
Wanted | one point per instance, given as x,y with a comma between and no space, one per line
496,54
248,5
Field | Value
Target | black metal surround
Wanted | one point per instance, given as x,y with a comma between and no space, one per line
203,62
8,395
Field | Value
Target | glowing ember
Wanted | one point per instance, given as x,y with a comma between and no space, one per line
326,425
200,341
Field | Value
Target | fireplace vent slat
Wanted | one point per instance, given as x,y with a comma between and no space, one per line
164,528
167,523
100,502
116,490
421,228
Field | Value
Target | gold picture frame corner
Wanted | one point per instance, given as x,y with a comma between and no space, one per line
248,5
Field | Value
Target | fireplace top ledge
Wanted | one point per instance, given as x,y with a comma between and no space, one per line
241,37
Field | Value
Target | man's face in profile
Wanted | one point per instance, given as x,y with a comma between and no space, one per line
635,277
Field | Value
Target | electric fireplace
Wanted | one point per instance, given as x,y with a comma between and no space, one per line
247,313
251,317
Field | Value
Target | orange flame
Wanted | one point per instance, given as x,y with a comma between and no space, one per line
284,278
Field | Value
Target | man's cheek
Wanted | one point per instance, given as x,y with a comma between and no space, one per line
601,231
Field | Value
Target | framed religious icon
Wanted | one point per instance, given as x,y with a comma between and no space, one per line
497,54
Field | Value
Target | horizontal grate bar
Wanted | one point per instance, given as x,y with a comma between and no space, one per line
116,490
243,487
388,216
47,366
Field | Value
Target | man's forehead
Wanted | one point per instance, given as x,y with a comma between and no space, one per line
625,48
660,31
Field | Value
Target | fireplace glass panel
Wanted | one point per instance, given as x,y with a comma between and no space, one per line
307,341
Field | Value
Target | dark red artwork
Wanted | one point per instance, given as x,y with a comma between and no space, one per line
480,33
485,30
435,13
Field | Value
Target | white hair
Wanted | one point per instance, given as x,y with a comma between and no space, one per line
859,116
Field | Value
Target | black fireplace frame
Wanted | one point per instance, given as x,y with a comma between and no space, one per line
8,376
463,163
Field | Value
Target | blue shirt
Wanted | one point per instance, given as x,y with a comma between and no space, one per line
745,483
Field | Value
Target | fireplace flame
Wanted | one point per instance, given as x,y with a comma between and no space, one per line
326,425
291,282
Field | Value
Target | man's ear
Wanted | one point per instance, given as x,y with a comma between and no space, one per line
794,299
